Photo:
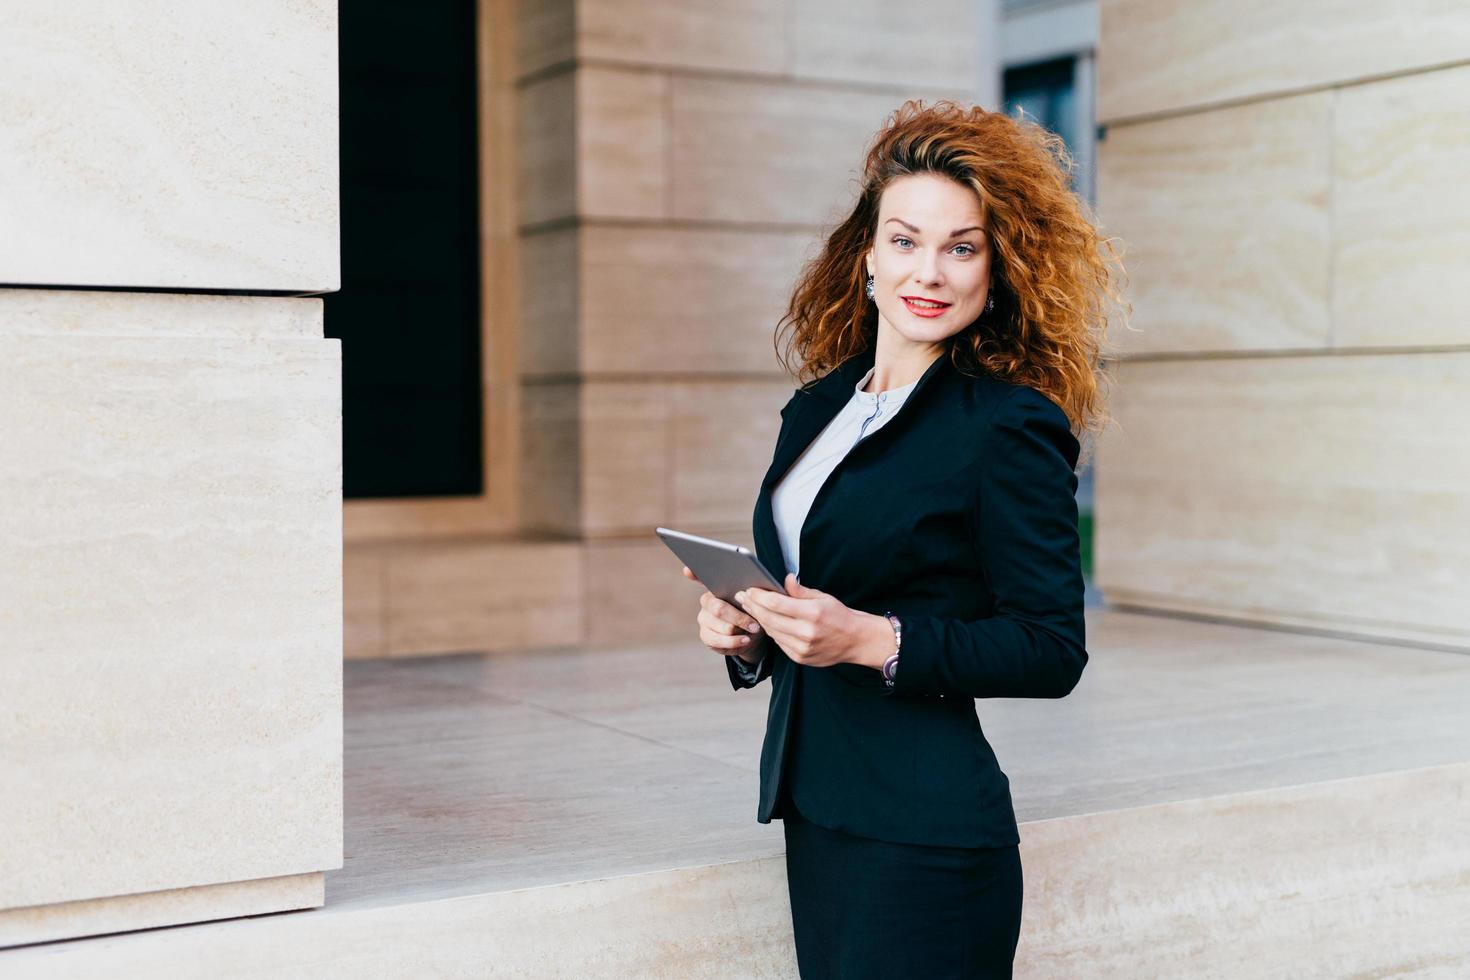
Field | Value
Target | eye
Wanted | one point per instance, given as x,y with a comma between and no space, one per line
903,240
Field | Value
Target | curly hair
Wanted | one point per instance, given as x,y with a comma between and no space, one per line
1054,277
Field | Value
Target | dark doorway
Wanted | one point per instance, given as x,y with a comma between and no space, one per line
408,313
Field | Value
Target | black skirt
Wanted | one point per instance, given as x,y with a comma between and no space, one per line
869,908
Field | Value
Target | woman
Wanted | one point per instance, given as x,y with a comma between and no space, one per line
924,487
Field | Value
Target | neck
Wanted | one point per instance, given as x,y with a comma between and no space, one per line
894,368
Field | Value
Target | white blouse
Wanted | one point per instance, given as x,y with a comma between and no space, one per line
864,413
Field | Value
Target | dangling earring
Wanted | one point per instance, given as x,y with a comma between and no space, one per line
989,300
870,287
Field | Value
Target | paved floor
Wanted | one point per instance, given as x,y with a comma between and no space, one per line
470,773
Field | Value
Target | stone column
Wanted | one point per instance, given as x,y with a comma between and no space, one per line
170,464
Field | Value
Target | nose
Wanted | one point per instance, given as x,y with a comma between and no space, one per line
928,271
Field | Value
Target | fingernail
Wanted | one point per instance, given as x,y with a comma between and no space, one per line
740,597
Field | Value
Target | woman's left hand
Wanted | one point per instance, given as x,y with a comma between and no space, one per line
811,626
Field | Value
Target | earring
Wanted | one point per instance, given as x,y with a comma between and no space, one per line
870,287
989,300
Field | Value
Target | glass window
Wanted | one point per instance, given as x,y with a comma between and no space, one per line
1046,91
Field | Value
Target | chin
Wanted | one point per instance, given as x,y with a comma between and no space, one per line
934,335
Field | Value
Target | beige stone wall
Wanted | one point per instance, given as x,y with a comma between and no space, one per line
674,166
170,465
1291,446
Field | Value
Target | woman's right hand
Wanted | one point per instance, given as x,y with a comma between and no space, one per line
726,628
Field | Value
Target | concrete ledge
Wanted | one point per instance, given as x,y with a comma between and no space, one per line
1368,876
146,910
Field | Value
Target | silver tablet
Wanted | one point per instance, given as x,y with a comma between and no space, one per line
724,568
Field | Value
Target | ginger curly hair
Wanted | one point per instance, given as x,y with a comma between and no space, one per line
1055,277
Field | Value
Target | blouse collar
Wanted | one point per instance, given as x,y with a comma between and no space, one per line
888,396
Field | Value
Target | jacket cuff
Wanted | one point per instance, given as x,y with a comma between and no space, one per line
743,675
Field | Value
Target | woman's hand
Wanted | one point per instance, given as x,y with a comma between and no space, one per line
726,629
817,629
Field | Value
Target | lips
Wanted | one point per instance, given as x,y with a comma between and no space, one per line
924,310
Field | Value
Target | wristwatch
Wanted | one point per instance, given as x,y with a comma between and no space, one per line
890,666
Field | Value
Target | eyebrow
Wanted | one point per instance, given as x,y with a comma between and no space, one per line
952,234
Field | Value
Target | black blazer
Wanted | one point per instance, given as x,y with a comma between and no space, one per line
959,516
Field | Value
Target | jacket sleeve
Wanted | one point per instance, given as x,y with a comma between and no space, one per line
743,674
1023,525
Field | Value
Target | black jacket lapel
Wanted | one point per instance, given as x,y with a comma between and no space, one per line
814,407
